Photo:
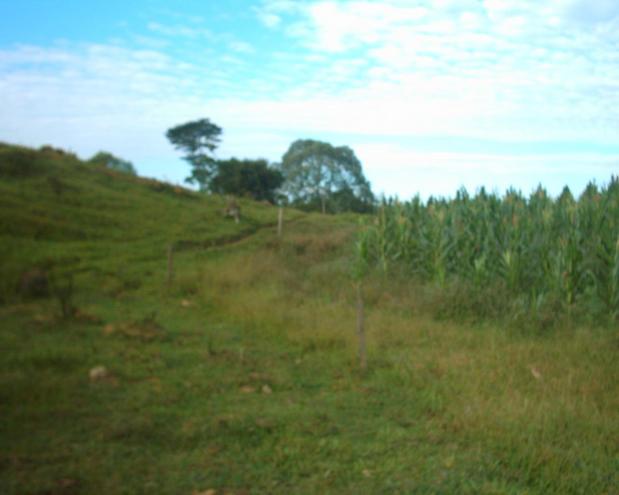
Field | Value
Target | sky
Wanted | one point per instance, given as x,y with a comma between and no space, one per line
431,95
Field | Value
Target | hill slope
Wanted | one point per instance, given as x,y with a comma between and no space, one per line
55,209
241,376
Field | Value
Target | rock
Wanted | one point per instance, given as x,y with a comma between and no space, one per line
266,389
99,373
109,329
265,424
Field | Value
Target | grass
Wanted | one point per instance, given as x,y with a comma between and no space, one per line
242,377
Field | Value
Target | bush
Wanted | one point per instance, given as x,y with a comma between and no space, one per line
19,163
108,160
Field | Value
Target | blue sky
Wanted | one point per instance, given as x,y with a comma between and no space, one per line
431,95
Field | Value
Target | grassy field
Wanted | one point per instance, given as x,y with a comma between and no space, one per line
242,376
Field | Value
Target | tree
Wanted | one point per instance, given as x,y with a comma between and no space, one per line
315,172
247,177
106,159
345,200
198,140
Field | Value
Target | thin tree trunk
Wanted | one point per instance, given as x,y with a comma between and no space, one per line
170,276
324,204
363,364
280,220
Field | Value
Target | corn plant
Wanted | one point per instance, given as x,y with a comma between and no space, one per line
536,249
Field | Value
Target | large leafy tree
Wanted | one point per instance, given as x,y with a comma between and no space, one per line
198,141
106,159
317,173
247,178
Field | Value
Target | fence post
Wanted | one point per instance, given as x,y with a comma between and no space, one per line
363,363
280,220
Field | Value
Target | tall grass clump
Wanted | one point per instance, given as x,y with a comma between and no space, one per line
539,259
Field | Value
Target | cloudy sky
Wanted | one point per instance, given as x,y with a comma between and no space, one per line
431,95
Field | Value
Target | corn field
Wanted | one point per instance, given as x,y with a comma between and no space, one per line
534,250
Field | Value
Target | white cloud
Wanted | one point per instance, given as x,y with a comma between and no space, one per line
179,30
269,20
241,47
270,12
592,11
335,27
500,63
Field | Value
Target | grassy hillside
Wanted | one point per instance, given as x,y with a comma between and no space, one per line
242,376
56,210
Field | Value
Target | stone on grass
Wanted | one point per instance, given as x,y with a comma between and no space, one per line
99,373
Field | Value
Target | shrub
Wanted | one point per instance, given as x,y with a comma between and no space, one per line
19,163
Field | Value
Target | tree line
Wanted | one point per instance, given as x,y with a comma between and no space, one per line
312,175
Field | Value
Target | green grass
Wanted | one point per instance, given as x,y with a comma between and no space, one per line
242,377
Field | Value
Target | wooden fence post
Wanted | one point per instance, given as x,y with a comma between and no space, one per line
363,363
280,220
